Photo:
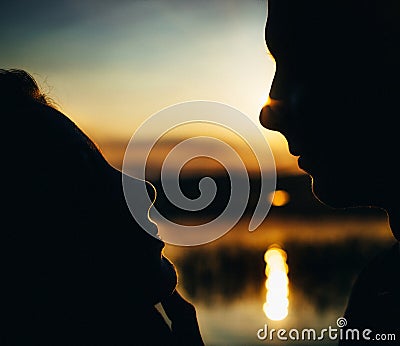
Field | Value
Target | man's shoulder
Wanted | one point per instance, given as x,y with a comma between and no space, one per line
375,298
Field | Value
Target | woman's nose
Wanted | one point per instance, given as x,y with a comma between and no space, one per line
273,115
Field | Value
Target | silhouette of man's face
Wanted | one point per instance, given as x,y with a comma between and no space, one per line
325,97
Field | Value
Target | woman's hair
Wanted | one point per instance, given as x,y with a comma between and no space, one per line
18,88
17,84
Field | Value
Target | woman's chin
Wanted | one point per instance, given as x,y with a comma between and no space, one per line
169,279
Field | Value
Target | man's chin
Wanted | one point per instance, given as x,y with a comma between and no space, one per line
332,195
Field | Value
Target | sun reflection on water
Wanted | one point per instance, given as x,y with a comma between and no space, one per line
277,283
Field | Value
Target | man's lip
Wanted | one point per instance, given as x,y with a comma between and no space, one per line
293,149
302,163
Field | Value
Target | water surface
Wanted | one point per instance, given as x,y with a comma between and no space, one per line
225,279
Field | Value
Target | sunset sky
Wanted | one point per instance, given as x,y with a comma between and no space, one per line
109,65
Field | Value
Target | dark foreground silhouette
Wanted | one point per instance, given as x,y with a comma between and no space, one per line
335,98
76,269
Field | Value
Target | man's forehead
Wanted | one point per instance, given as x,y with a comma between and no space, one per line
315,20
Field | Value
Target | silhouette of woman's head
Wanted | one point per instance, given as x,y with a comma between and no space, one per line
72,254
334,95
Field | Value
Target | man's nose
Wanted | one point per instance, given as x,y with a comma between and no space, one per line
273,115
